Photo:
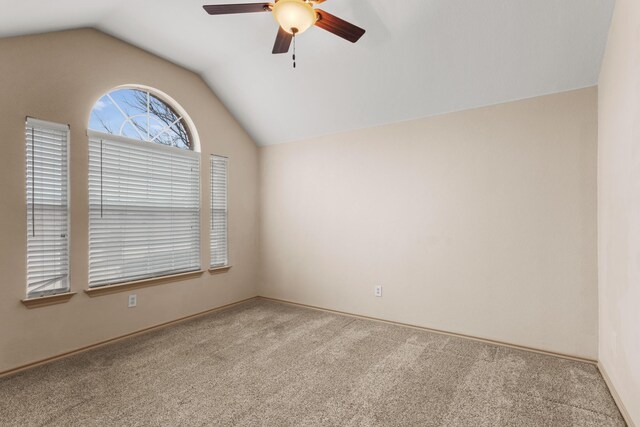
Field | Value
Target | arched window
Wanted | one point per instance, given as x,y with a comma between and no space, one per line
140,114
144,189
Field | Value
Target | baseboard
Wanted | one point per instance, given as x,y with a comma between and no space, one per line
204,313
616,396
439,331
119,338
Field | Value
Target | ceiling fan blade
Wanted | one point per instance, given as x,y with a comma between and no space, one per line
283,41
225,9
338,26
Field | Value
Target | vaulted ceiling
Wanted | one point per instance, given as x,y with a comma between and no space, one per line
418,58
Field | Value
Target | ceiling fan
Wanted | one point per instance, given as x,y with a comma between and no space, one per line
294,17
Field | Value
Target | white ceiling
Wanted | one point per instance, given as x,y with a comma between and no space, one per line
418,58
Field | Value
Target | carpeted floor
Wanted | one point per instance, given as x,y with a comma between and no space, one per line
269,364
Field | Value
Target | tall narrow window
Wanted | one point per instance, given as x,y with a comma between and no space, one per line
144,192
219,213
47,208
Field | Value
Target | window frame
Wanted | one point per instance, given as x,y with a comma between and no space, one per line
164,98
191,152
227,263
192,148
34,123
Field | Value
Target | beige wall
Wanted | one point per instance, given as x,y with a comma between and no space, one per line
619,205
481,222
58,77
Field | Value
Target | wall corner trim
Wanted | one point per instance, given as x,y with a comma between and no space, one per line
616,396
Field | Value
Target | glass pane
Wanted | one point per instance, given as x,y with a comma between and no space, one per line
140,123
131,101
129,131
182,131
105,117
176,136
136,114
162,113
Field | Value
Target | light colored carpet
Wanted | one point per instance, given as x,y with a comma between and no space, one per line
269,364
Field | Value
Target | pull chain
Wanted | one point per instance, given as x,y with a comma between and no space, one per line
294,48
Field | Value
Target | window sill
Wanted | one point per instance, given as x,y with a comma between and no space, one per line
123,287
218,270
47,300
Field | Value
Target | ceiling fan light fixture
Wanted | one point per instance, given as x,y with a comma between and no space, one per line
294,16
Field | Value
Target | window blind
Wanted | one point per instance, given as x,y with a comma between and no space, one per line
219,213
47,208
144,210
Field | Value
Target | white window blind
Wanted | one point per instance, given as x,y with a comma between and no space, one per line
219,212
47,208
144,210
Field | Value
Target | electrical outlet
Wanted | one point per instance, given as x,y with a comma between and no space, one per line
378,291
133,300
